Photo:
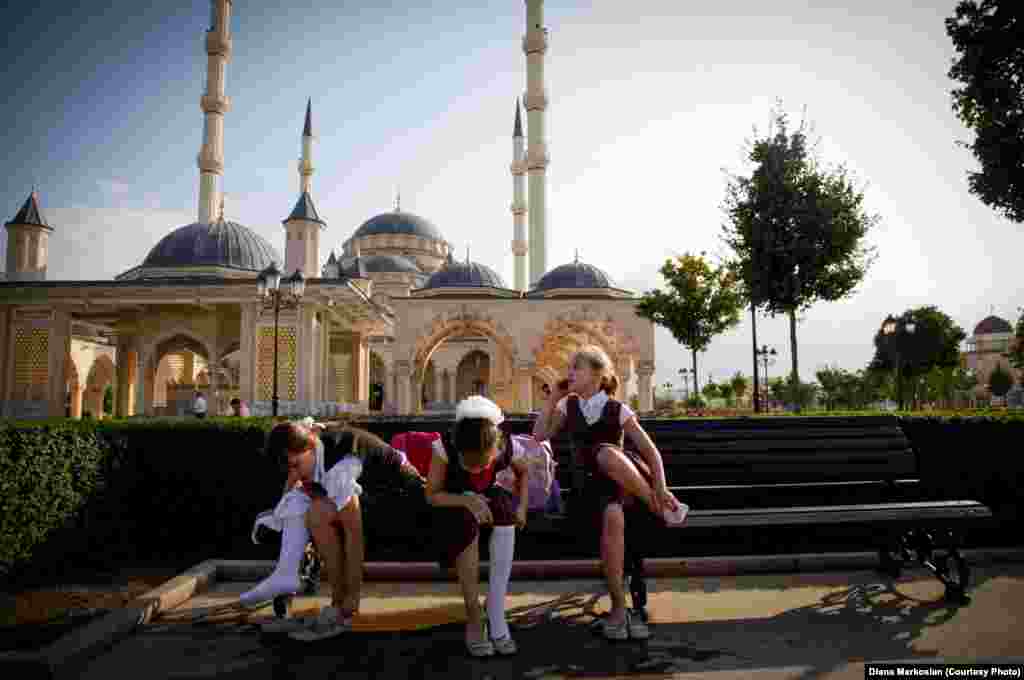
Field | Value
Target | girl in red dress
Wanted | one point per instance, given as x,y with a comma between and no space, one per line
466,498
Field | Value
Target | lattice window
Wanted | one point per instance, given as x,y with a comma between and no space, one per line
31,356
287,378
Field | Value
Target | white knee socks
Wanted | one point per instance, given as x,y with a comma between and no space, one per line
285,578
503,541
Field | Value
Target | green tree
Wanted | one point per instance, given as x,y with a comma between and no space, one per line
777,389
1000,381
989,69
700,302
935,342
964,381
739,385
711,391
831,380
726,392
796,229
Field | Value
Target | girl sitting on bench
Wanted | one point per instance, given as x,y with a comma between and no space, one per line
463,490
322,501
617,477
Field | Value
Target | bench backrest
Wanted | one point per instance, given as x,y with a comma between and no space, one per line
744,450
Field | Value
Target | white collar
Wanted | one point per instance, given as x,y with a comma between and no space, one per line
593,408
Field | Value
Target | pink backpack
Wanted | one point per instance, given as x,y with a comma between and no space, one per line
541,464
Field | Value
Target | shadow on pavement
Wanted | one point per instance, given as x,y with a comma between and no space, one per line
868,620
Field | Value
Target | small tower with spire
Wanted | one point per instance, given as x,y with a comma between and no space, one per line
302,227
519,243
28,237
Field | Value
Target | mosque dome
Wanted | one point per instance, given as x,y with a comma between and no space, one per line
388,263
465,275
394,223
574,275
993,324
218,244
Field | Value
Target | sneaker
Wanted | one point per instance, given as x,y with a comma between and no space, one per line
286,626
615,631
636,622
330,623
505,646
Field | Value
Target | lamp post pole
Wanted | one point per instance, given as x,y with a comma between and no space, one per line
268,287
762,355
897,330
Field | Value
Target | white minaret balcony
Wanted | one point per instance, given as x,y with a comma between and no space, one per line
537,156
519,247
535,101
209,161
212,103
535,41
218,43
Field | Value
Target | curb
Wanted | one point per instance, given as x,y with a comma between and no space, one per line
60,658
541,570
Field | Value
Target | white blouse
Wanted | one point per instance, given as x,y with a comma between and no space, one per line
593,407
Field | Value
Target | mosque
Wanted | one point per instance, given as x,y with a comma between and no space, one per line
390,321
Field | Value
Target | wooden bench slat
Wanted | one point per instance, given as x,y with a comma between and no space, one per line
836,514
755,446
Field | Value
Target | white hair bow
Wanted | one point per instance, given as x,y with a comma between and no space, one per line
478,406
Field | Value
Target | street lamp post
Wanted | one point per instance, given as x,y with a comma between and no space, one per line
685,373
274,298
763,355
896,330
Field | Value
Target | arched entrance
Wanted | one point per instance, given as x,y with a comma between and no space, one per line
101,376
467,331
180,366
473,375
378,382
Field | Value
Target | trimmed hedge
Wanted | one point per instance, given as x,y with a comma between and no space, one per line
47,474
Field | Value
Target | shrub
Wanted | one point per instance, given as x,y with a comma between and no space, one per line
47,473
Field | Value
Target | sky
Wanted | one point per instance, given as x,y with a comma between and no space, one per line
650,103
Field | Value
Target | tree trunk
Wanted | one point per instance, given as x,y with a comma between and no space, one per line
792,348
696,390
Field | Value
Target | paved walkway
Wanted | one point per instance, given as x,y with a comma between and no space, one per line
762,626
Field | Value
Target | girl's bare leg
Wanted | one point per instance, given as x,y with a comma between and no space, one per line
467,566
351,581
327,541
614,463
613,549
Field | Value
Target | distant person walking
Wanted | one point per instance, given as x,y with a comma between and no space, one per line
239,408
199,405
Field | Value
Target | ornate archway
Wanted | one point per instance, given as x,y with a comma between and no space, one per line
473,375
101,375
464,322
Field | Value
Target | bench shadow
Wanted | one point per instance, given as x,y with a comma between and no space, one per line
870,619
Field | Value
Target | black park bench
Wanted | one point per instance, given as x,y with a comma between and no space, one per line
812,475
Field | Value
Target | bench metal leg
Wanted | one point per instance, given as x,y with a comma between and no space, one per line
947,564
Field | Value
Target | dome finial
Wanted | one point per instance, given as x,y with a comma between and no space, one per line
577,260
221,218
467,254
398,199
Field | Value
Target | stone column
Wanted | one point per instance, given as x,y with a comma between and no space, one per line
524,393
403,380
247,354
77,392
59,349
141,362
360,369
645,372
385,385
438,385
624,372
453,384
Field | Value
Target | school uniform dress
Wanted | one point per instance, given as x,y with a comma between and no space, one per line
455,528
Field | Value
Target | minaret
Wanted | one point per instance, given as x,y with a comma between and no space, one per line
535,44
519,242
214,104
28,235
303,225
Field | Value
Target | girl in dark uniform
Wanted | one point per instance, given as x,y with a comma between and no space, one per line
616,478
462,488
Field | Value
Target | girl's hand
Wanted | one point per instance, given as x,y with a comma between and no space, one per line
477,505
664,500
521,517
